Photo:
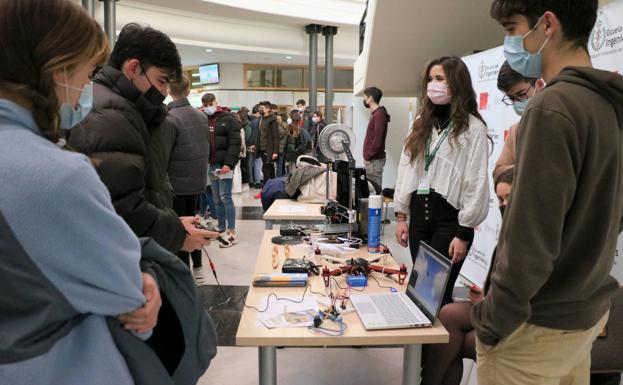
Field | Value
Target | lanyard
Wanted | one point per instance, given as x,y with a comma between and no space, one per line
428,156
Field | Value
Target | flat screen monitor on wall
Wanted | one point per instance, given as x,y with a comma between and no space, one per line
209,74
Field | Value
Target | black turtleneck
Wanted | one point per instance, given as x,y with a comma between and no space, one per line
441,116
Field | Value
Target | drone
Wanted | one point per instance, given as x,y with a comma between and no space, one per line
361,266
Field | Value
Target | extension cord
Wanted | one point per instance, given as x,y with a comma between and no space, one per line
326,302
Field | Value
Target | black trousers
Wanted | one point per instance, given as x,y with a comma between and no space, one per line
435,222
244,170
268,166
186,206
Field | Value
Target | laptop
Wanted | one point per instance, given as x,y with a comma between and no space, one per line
419,306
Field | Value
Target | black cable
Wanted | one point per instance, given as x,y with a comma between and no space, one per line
226,298
382,286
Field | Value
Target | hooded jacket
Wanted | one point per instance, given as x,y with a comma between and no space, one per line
188,167
374,143
225,141
132,140
558,238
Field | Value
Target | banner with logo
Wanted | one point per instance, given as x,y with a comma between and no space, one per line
606,49
606,43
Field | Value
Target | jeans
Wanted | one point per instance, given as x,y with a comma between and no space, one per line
206,202
374,172
251,166
281,164
255,168
225,210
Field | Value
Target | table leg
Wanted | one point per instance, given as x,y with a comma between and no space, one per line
268,365
269,224
411,365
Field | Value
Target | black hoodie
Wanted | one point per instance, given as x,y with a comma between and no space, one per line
558,239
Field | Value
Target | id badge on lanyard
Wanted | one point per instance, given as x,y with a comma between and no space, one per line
424,185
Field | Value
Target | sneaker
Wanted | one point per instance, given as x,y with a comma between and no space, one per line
226,240
233,238
212,221
199,276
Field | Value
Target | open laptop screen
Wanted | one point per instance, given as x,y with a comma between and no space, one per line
428,280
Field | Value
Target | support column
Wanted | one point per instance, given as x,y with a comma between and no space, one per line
89,5
268,365
329,32
313,30
110,20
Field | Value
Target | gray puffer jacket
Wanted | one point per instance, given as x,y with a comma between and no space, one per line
189,161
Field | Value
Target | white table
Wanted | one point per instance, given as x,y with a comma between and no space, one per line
249,334
285,211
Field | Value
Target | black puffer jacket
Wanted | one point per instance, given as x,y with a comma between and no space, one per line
295,146
118,132
225,138
188,168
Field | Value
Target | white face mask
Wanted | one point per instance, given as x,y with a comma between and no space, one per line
210,110
289,121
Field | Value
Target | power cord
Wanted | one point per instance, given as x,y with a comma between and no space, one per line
226,298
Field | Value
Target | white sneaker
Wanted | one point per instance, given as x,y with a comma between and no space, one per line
227,242
212,221
199,276
232,237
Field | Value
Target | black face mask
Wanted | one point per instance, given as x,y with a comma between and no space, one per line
365,104
502,208
151,108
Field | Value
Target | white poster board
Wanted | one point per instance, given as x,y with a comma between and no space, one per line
606,49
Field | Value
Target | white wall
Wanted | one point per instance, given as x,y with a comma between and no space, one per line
399,109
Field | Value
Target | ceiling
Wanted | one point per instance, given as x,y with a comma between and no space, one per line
402,36
291,12
194,56
238,35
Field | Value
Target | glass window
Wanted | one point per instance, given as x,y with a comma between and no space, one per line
260,77
289,77
342,79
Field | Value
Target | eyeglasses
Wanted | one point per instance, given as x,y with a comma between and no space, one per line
518,97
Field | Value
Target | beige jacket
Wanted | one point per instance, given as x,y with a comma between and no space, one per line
507,157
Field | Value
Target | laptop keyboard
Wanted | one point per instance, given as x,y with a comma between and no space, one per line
394,310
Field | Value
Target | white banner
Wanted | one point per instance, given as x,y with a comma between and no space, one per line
606,49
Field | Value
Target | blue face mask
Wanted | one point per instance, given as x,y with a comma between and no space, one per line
520,106
522,61
70,115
